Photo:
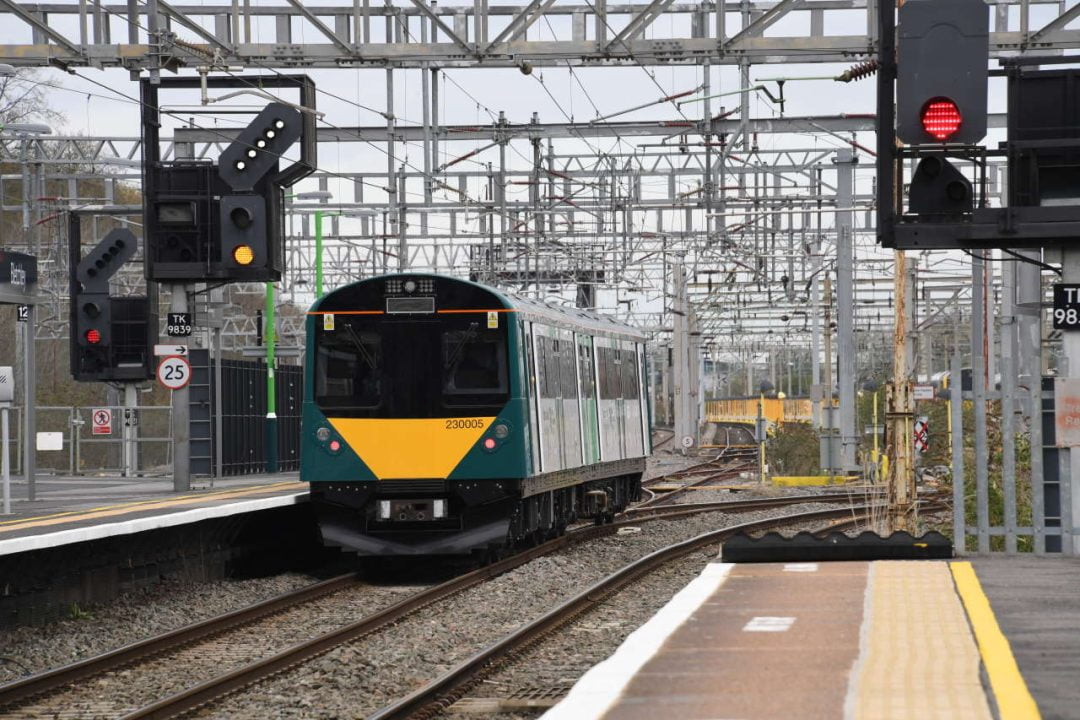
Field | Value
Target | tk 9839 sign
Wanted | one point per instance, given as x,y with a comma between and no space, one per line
1066,307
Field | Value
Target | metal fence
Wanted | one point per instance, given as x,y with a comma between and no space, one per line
149,447
242,415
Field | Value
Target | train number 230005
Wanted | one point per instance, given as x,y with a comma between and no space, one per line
466,424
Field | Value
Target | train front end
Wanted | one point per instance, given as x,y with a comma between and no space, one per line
414,423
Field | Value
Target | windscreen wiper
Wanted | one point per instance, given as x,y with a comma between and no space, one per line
363,349
458,351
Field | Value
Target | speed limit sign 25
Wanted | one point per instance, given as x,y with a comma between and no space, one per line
174,373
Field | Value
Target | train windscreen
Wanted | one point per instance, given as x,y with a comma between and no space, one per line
392,367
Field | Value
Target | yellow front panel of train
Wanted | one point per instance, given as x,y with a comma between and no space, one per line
406,448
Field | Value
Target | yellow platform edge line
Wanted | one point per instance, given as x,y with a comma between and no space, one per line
1014,700
135,504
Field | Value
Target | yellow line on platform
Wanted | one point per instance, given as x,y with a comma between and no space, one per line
121,508
1014,701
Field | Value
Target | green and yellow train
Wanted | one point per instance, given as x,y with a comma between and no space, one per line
446,417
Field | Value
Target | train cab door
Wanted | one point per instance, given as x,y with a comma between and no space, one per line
531,382
643,402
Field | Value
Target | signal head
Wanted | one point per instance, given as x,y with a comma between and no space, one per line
941,118
243,255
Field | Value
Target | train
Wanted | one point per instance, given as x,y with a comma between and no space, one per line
445,417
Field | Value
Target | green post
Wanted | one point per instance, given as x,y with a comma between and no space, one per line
271,390
318,254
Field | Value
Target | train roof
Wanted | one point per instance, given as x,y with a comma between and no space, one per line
557,314
576,316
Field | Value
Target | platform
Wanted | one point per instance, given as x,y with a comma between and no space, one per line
989,638
77,509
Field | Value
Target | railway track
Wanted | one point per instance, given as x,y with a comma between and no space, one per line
725,465
40,694
433,698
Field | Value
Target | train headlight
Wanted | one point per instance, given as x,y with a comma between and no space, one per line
384,509
438,508
489,443
501,431
410,286
334,446
323,434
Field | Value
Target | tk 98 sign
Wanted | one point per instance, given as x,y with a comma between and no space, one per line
1066,307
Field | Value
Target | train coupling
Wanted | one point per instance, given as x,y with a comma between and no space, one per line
412,510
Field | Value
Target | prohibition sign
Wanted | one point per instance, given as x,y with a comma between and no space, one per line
174,372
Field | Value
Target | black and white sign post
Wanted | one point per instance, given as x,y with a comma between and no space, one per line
18,286
1066,307
1066,317
179,324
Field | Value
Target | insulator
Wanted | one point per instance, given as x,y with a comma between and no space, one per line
858,72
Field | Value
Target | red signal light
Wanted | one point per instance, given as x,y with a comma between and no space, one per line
489,443
941,118
334,446
93,336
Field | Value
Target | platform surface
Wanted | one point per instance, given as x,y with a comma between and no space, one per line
976,638
77,509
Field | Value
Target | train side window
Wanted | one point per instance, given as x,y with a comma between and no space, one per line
610,382
588,384
629,375
473,362
530,364
569,374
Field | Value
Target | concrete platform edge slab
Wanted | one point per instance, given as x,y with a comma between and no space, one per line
597,690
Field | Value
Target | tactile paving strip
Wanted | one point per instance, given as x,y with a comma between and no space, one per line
919,658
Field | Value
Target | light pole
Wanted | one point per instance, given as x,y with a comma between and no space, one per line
323,196
272,464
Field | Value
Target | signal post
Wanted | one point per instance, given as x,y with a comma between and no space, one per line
937,71
222,222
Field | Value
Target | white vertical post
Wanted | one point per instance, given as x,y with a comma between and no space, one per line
130,431
7,459
7,396
1070,480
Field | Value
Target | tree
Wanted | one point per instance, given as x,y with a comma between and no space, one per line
23,98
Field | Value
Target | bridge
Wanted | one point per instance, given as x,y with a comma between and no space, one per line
745,410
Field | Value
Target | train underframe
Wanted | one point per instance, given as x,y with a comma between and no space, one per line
459,517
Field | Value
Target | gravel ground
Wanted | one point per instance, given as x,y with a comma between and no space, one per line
662,463
358,678
119,692
166,606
